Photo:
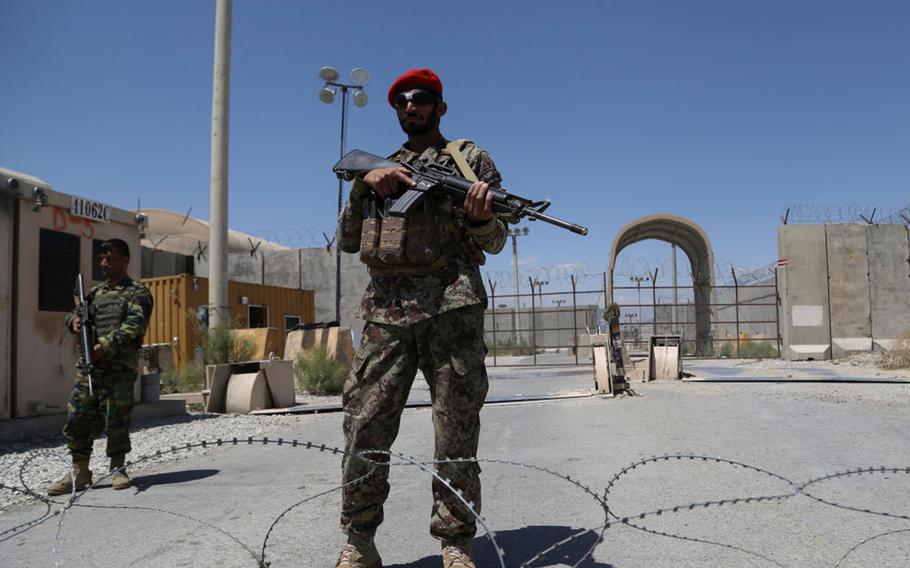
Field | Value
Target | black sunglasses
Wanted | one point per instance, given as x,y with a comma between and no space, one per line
416,97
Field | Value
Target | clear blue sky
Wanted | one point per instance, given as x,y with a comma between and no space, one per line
721,112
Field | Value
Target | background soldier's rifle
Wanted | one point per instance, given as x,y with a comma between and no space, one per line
431,176
86,334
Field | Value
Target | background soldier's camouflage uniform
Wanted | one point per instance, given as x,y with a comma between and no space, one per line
433,322
120,315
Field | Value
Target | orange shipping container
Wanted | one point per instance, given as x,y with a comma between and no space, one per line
180,300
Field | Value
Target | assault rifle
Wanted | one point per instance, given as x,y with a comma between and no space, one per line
86,333
431,176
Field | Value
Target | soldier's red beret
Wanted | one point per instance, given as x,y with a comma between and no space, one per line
415,79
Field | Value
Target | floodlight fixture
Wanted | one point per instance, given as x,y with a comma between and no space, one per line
327,95
360,75
328,74
360,98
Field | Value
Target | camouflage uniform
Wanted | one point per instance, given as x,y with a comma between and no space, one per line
433,322
120,315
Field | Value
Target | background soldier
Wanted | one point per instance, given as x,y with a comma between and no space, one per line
424,308
121,308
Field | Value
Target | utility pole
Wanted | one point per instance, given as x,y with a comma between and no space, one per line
515,233
675,290
219,308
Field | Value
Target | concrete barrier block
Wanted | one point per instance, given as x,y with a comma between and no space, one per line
264,340
338,342
246,392
279,376
889,274
803,286
848,288
216,381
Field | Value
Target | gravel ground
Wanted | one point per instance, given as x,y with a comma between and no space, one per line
799,430
47,459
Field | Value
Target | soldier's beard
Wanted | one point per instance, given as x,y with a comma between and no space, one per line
419,128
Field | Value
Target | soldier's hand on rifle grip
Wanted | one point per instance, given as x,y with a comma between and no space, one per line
478,203
97,352
75,325
385,181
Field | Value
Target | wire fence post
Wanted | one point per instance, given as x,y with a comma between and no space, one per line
493,303
533,322
777,310
654,303
736,307
574,319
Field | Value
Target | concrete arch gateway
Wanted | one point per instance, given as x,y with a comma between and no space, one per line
694,242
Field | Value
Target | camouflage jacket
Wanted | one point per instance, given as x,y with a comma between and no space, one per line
407,299
120,314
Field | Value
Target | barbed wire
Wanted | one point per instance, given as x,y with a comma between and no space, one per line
298,237
625,268
611,518
848,213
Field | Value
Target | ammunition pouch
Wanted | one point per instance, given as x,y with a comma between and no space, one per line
404,245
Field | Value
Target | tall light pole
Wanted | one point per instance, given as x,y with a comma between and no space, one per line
515,233
361,77
219,307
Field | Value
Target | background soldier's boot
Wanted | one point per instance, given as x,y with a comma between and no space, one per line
456,556
65,484
119,478
359,553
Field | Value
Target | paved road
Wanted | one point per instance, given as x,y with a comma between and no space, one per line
799,431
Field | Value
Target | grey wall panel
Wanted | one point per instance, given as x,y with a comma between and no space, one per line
282,268
889,273
805,324
242,267
848,288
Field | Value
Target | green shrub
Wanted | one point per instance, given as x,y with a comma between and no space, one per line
757,350
727,349
219,345
511,347
317,372
898,357
187,379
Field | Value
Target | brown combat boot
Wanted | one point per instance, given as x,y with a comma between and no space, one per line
456,556
359,553
119,478
65,484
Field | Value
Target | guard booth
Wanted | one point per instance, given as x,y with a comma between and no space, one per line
46,238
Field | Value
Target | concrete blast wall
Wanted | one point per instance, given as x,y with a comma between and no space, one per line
845,288
848,289
889,272
805,323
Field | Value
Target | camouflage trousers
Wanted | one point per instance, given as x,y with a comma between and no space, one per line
449,350
111,405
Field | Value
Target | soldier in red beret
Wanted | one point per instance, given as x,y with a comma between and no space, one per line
424,309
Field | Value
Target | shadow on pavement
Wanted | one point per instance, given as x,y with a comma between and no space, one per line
523,544
144,482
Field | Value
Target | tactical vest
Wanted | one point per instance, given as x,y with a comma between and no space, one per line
419,243
109,308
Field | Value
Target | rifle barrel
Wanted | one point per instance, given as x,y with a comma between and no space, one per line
577,229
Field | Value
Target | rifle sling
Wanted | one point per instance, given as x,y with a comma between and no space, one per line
454,148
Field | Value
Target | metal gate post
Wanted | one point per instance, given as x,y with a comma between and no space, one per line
574,319
493,303
533,322
736,307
